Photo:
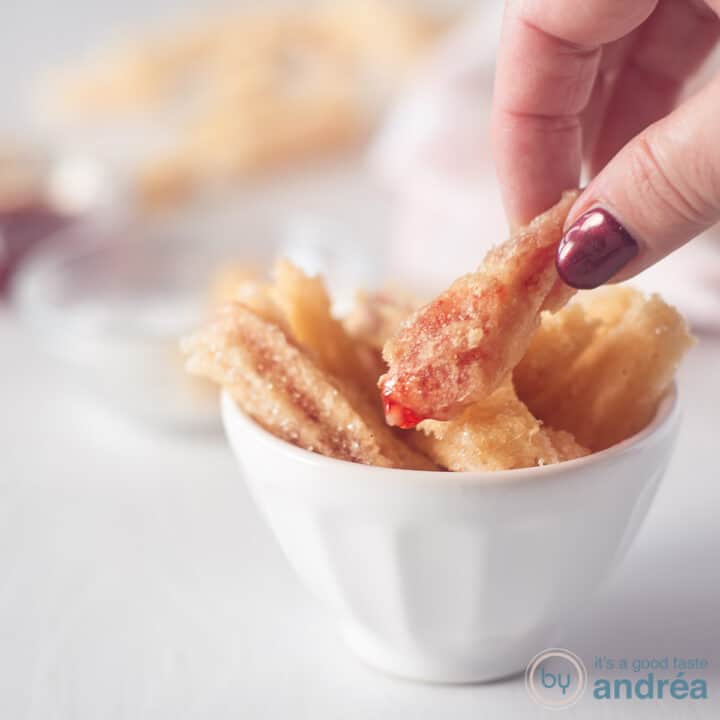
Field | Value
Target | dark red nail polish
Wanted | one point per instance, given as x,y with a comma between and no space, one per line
594,248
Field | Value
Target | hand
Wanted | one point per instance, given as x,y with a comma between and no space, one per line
598,81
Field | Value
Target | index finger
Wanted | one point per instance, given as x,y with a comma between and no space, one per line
547,63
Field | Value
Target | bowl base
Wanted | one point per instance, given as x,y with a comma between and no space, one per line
419,666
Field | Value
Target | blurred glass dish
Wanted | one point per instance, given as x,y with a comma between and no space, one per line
42,192
111,298
110,301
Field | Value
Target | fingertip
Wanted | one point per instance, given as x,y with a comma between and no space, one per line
594,249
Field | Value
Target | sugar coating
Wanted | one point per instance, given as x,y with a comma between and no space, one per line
460,347
599,367
283,379
496,433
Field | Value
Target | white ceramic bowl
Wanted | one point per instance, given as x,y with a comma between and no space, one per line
452,577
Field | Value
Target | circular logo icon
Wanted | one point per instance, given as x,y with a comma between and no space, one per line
556,678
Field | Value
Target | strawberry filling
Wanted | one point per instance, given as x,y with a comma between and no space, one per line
397,415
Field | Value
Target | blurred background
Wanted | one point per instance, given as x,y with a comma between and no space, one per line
147,149
149,152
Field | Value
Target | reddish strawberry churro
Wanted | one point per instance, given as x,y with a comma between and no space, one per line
460,347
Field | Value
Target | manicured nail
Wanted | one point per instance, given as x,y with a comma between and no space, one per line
595,247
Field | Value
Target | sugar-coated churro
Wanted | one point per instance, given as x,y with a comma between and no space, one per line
460,347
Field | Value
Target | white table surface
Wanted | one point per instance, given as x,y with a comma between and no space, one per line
137,580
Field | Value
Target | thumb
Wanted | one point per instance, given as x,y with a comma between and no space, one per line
661,190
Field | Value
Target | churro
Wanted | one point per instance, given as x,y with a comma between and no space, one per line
460,347
496,433
600,367
592,374
281,388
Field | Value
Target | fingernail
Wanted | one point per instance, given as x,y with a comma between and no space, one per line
595,247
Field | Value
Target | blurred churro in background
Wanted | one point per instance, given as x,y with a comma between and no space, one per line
249,91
